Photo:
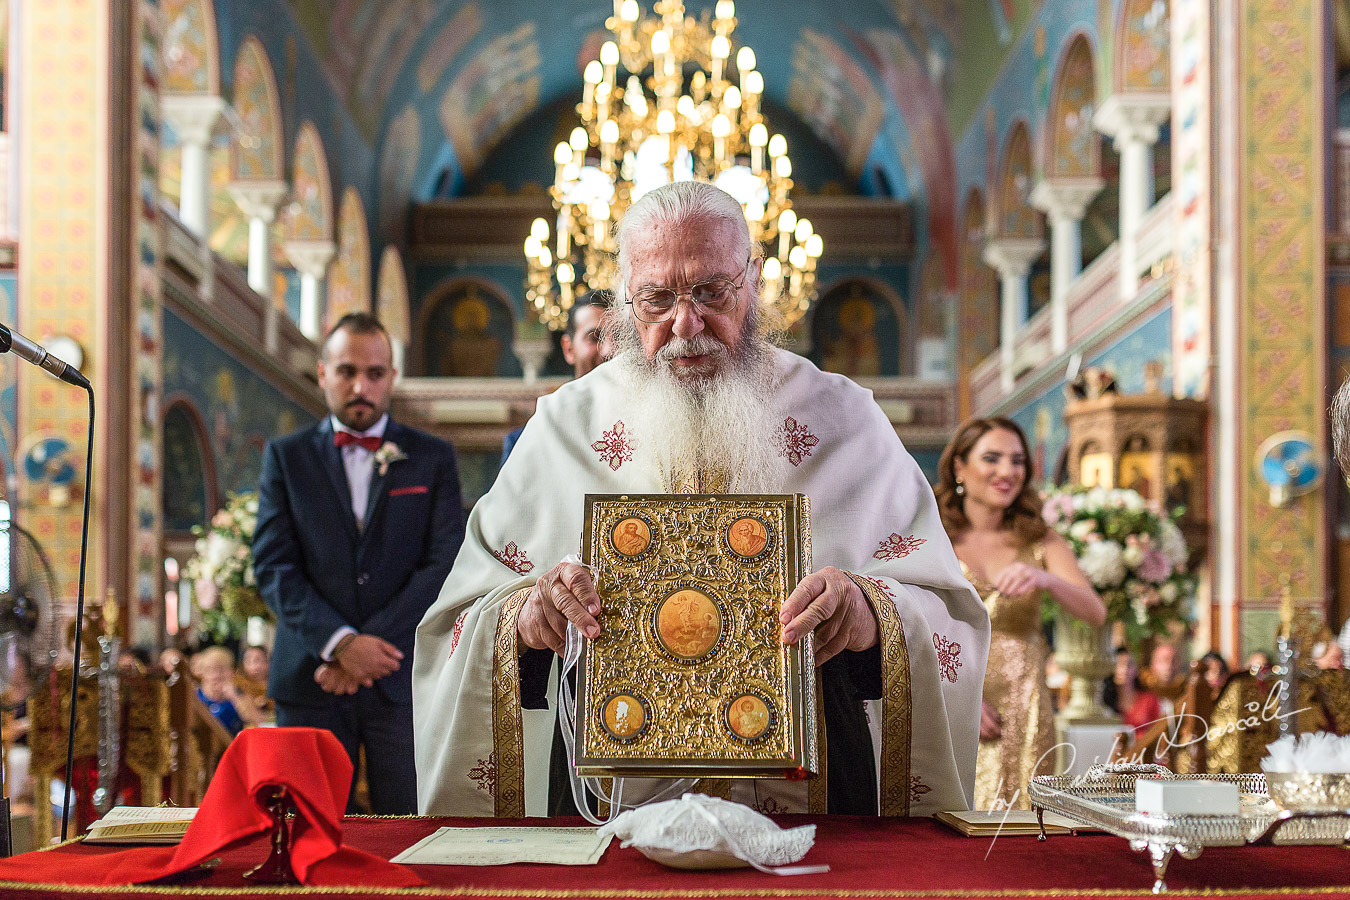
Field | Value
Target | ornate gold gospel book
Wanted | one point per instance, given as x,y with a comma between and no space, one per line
689,675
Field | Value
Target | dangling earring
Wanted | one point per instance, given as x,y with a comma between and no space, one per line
960,488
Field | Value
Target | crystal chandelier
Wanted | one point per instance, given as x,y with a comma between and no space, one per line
661,105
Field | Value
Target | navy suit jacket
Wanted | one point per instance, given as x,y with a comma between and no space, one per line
318,572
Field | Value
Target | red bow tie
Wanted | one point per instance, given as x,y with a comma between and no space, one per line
347,439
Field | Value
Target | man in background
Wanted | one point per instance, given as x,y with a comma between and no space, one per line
584,346
359,521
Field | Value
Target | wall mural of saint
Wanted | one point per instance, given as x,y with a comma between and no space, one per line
468,335
855,332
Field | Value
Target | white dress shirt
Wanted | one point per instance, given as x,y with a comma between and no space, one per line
359,464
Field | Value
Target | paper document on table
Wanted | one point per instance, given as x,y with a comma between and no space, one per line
142,825
503,845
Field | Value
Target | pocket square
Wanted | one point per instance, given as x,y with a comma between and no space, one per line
415,489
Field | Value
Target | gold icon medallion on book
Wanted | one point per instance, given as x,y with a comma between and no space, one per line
689,676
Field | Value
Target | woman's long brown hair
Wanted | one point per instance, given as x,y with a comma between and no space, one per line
1023,515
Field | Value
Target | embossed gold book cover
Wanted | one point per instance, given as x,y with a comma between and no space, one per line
689,675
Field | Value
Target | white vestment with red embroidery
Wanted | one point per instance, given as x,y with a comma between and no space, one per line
872,514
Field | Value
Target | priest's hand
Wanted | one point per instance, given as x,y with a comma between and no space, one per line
564,594
335,681
366,658
830,604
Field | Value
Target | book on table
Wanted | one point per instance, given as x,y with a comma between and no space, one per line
141,825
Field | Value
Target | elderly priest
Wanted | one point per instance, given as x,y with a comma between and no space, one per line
698,400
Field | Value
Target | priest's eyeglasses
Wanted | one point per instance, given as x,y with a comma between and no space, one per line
716,295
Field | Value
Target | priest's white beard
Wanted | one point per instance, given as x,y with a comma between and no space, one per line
721,417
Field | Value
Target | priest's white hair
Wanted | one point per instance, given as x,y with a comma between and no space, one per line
719,418
1340,428
670,204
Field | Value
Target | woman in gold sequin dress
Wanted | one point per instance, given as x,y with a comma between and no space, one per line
992,513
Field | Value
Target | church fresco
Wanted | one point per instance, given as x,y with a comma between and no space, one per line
311,212
496,89
832,94
391,296
240,410
398,168
1076,148
924,111
454,36
1017,218
979,332
466,331
257,151
188,497
349,275
1145,63
190,64
855,331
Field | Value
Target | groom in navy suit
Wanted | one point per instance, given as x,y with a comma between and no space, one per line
359,521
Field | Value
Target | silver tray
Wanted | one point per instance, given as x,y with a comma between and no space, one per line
1104,798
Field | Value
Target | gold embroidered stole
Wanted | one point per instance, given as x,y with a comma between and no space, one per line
896,701
508,730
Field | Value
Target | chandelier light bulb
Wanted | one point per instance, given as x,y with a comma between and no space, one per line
726,9
797,257
660,42
759,135
721,126
562,154
685,106
578,139
815,246
732,98
773,269
629,11
545,257
600,211
754,83
745,60
721,47
609,53
532,247
665,121
782,167
777,145
595,73
803,230
609,132
565,273
754,211
787,220
539,230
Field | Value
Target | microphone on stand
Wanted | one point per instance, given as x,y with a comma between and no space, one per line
35,354
38,356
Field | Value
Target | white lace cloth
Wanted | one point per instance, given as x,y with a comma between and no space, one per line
699,822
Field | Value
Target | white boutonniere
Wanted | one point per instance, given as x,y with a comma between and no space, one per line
388,454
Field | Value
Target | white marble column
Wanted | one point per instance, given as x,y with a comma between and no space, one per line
1012,258
259,201
1064,202
193,118
1132,120
311,260
532,353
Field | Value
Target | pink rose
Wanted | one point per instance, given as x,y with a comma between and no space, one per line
206,593
1155,567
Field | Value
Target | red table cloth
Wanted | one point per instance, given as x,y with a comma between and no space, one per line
868,858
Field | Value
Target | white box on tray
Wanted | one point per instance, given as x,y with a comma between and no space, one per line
1186,797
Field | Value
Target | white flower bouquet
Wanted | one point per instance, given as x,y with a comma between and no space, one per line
1134,556
221,569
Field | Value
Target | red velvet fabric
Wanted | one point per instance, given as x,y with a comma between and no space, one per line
874,858
309,762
